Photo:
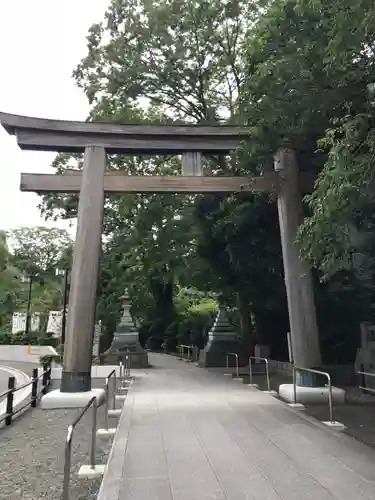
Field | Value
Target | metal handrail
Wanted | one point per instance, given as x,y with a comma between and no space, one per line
107,381
236,356
267,370
310,370
366,374
126,366
12,389
124,372
189,349
68,444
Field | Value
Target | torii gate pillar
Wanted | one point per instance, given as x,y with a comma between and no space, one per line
75,390
298,279
76,375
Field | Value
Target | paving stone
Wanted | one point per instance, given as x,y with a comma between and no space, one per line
146,489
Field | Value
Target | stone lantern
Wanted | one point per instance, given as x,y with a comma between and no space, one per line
222,339
126,340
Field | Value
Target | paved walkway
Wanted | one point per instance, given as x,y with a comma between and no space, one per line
188,434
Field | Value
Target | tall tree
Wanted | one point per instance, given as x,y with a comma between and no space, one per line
39,249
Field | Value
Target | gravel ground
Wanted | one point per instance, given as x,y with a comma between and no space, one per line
32,454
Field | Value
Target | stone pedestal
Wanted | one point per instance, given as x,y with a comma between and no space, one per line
126,341
221,340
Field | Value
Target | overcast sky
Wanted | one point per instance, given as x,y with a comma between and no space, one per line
41,42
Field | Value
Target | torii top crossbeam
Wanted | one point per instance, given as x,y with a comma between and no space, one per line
41,134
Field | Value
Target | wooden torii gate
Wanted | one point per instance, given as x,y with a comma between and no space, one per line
95,140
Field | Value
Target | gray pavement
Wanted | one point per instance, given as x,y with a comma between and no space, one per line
188,434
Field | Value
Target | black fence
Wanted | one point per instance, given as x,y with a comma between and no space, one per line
39,385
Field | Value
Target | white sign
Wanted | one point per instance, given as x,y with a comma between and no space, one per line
35,322
19,322
54,324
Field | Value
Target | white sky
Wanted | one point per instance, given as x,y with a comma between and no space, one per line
41,42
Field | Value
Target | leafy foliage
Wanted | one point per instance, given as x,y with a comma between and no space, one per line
37,252
39,249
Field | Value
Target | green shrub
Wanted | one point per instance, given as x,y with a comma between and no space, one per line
195,322
20,338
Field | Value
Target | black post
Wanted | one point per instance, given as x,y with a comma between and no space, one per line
9,410
63,322
45,378
34,388
362,378
27,328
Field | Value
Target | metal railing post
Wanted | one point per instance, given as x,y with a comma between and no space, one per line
237,365
34,388
267,375
68,454
68,445
128,362
362,381
106,404
45,378
114,391
9,408
310,370
294,386
93,434
330,398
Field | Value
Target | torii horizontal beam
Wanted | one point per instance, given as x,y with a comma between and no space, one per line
73,136
121,183
115,182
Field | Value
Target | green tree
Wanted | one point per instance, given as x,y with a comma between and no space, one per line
39,249
310,75
37,252
182,62
10,284
310,84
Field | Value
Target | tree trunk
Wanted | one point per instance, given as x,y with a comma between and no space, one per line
246,327
165,312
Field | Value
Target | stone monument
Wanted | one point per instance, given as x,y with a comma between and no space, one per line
221,339
126,341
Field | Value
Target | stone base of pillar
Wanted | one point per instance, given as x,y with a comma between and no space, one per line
75,381
57,399
311,395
